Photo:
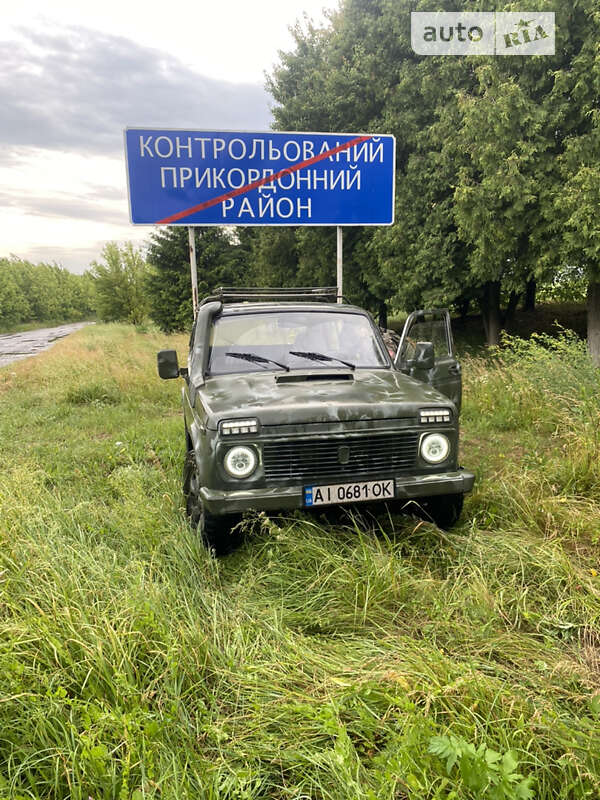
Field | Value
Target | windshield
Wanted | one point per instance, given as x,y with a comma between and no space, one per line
293,340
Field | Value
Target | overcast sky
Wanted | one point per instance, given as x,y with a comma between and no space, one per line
74,74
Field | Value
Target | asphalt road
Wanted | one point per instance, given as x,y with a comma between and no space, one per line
15,346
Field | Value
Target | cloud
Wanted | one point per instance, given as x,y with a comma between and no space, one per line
91,207
74,89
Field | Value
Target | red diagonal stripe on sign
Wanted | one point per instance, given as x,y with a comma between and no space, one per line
261,181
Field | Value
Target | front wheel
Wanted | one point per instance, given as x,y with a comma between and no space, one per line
445,509
217,532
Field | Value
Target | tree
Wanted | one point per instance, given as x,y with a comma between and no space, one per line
515,127
422,256
120,284
14,307
480,161
501,195
580,202
342,78
476,216
577,199
41,293
168,282
272,256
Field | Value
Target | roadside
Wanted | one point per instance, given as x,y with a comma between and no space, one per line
16,346
38,324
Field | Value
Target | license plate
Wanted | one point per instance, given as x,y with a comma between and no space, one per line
348,493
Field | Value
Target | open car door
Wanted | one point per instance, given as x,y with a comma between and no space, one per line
426,352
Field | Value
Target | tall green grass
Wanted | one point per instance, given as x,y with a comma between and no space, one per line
360,658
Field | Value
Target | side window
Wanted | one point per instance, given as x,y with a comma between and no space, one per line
434,331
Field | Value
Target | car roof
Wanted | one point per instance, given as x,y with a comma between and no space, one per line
249,308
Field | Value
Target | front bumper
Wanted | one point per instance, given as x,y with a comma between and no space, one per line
283,498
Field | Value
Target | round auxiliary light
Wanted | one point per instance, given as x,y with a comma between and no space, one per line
240,461
435,448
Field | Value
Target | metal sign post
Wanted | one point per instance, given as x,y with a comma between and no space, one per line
340,264
193,269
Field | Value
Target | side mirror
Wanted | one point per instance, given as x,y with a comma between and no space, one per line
168,366
424,356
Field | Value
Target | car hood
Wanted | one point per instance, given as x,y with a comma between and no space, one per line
306,396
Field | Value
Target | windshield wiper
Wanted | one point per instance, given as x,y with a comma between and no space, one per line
257,359
320,357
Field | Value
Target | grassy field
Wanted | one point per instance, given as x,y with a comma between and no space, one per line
367,660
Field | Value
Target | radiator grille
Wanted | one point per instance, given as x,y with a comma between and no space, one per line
315,459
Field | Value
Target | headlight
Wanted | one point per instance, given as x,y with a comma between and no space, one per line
427,416
235,426
435,448
240,461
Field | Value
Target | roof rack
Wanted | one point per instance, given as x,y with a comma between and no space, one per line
229,294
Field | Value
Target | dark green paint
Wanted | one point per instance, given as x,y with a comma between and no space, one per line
369,394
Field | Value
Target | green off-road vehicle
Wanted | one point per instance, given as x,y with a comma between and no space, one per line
293,402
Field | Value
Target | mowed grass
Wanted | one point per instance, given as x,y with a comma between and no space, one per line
377,659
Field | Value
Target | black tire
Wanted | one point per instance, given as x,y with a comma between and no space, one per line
217,532
445,509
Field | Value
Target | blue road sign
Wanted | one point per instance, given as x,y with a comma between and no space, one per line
181,177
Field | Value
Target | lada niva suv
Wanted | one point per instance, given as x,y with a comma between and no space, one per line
294,403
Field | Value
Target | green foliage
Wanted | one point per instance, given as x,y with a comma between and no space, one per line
273,256
41,293
478,202
576,202
13,302
168,283
568,285
497,157
119,284
307,257
484,772
340,78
